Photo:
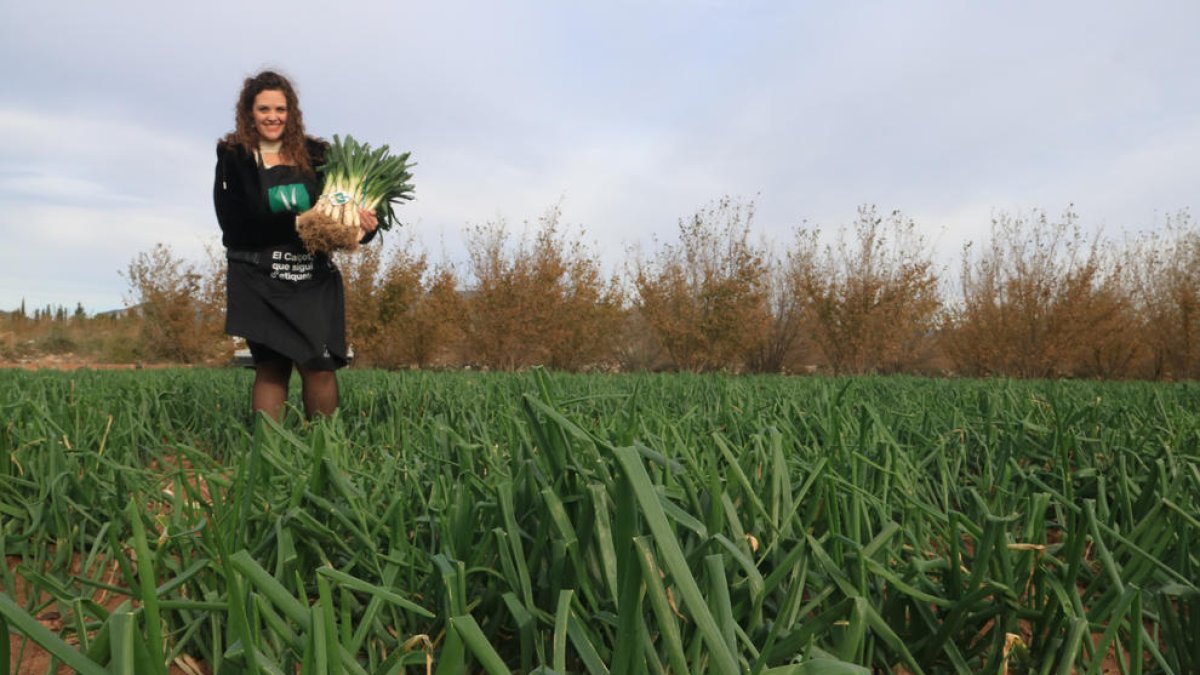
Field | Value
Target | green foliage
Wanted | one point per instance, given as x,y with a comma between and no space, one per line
554,523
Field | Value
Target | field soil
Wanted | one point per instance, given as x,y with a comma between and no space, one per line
27,658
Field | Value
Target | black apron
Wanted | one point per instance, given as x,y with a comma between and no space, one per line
284,297
289,300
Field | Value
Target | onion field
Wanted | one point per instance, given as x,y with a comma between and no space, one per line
551,523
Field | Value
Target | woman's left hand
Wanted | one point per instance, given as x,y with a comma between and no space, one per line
367,221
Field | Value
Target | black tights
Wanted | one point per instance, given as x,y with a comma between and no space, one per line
319,388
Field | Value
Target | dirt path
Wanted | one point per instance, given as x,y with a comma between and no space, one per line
70,362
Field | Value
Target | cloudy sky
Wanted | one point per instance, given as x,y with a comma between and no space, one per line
627,114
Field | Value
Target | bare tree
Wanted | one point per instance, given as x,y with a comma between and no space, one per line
1040,300
706,298
870,298
540,302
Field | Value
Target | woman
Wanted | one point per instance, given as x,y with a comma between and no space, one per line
287,303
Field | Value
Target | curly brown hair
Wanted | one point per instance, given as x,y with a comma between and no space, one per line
246,135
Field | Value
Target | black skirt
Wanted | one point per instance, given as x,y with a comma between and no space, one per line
289,300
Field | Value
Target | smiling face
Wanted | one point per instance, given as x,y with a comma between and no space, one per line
270,114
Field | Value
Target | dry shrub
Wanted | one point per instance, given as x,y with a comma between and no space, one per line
1037,300
787,342
401,312
869,300
105,338
181,306
637,347
541,302
706,298
437,325
1040,300
360,274
1163,280
1109,349
591,312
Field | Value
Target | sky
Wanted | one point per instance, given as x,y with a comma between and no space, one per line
626,115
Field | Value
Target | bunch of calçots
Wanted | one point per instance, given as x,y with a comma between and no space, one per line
359,176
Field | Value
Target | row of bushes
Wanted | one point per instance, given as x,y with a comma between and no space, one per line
1038,299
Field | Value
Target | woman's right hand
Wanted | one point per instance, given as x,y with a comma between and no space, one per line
367,221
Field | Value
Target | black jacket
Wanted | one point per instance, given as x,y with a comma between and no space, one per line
246,220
